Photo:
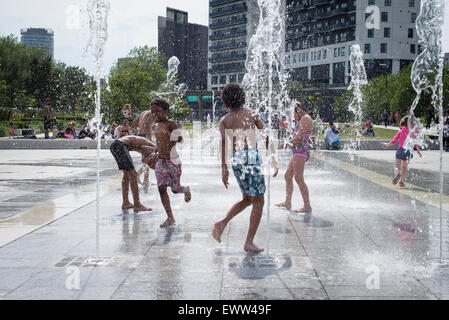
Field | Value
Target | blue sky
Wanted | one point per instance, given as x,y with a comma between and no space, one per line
131,23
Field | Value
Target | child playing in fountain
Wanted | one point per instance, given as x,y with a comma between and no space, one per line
239,125
168,167
120,150
402,155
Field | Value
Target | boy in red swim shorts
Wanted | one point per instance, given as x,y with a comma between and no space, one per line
168,167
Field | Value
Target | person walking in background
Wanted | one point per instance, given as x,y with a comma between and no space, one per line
11,130
402,155
397,116
385,118
430,113
391,118
47,115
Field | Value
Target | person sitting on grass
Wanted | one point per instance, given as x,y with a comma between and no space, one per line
368,130
332,136
120,150
55,132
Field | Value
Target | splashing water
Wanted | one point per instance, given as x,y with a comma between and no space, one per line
427,75
358,80
98,11
169,90
266,79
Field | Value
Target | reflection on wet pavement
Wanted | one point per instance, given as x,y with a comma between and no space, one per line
358,229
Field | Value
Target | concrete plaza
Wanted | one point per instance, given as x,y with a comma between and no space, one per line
366,239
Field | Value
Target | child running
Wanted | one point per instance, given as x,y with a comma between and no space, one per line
402,155
120,150
239,125
168,166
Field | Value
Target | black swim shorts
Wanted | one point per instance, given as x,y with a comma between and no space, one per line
121,155
47,123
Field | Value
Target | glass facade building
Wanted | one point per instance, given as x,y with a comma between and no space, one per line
38,37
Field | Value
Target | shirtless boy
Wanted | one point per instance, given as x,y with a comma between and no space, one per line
241,123
120,150
168,167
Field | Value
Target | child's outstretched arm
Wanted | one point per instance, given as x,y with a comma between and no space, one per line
224,166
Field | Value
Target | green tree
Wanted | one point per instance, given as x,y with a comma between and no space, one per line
131,81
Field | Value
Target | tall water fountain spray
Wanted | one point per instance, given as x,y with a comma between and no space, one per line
170,90
98,11
427,75
266,80
358,80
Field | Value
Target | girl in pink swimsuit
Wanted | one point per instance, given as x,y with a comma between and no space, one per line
302,148
301,154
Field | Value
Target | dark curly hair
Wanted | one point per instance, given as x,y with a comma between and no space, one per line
162,103
233,95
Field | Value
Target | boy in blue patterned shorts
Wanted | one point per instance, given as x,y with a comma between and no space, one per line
239,125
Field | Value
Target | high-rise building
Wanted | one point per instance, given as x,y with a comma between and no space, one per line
446,58
188,42
38,37
319,35
231,25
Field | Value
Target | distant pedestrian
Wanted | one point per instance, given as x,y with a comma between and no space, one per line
391,118
385,118
430,113
397,116
11,130
47,115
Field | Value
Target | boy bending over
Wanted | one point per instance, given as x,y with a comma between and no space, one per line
120,150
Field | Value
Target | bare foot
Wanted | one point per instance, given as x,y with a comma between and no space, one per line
141,207
217,231
285,205
127,205
251,247
303,210
168,222
187,195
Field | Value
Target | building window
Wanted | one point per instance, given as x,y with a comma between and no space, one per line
222,79
241,78
412,48
371,2
343,51
335,52
319,55
413,17
370,33
294,58
387,3
387,32
289,46
214,80
287,59
233,78
324,54
343,37
384,16
383,48
367,47
410,33
411,3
